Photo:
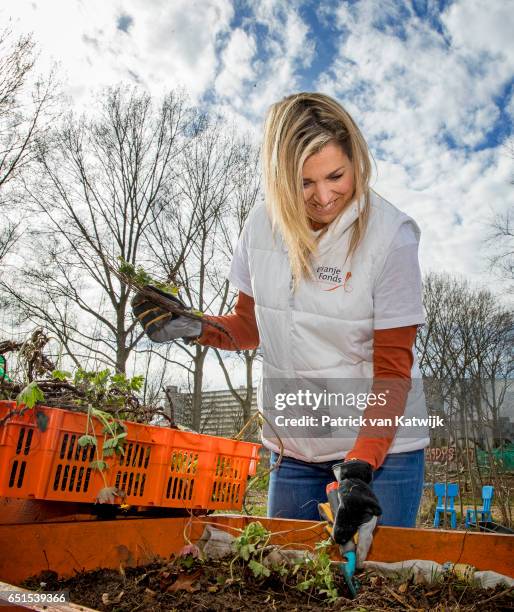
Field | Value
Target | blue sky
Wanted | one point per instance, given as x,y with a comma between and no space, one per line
430,82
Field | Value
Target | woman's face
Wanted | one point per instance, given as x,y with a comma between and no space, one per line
328,184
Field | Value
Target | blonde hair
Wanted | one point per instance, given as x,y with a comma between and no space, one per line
297,127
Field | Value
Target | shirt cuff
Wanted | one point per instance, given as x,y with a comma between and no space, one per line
404,321
238,284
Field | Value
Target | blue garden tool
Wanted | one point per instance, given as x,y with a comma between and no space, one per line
328,511
348,567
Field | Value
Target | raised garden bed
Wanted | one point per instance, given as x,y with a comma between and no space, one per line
185,584
127,550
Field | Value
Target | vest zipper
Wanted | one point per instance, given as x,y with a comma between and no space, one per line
291,291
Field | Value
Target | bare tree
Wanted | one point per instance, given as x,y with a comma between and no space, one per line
212,173
466,356
247,192
103,182
501,245
500,239
468,336
27,106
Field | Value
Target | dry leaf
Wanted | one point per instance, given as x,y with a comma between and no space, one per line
213,588
403,587
189,549
185,582
118,597
107,601
108,495
376,581
150,593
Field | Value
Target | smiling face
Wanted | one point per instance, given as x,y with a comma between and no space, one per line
328,184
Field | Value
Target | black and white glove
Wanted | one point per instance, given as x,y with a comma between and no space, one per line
159,324
357,502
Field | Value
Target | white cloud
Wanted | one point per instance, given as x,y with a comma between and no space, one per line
164,45
418,80
168,44
476,26
237,68
286,48
422,104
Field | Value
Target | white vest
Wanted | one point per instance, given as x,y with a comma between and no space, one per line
324,329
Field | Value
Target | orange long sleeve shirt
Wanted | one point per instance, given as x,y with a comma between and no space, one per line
392,363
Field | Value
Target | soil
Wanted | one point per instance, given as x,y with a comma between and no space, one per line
207,586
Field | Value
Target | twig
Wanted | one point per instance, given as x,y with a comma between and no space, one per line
398,598
505,592
167,304
275,466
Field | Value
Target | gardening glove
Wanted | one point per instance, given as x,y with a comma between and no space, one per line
357,502
361,543
365,540
161,325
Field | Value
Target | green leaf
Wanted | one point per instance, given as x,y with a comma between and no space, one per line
107,452
86,440
103,416
112,442
142,277
30,395
303,586
114,428
99,465
187,562
118,380
126,268
61,375
258,569
100,379
136,383
169,288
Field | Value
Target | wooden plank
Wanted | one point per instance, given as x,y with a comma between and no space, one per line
59,607
485,551
68,548
16,511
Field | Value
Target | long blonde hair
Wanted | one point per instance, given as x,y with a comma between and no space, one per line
297,127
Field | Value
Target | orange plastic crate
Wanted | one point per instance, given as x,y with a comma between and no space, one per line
160,466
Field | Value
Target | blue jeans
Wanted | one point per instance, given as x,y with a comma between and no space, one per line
296,488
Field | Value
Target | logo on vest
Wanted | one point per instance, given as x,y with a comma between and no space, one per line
331,278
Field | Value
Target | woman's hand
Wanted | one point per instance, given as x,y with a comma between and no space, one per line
161,325
357,502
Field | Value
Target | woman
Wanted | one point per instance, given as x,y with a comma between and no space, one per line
329,288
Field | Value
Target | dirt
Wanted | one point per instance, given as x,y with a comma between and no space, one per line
188,584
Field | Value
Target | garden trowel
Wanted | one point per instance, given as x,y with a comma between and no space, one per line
355,550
